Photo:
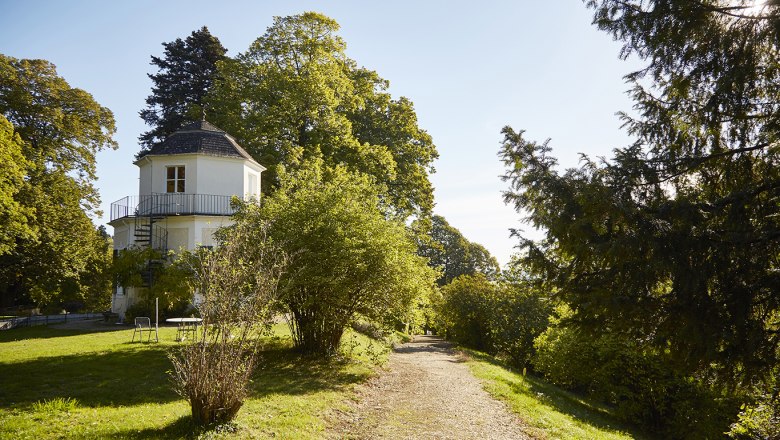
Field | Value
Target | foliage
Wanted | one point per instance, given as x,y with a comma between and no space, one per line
347,259
61,129
500,318
236,283
128,265
13,168
294,96
184,77
92,291
452,254
520,313
760,419
639,382
132,267
675,240
465,311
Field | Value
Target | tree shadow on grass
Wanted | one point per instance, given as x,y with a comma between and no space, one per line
565,402
282,370
128,376
47,332
138,373
134,374
181,428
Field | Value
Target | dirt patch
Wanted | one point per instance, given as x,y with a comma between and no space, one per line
426,393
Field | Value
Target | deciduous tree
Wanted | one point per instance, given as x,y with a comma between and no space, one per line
295,95
61,129
453,255
13,169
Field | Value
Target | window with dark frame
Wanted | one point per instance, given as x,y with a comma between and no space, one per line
174,182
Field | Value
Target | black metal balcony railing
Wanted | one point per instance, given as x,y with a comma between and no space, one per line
171,204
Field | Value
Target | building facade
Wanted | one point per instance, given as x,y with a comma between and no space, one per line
185,187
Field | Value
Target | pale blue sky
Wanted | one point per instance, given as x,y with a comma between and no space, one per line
469,67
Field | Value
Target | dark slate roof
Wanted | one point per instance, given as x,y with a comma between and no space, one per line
200,138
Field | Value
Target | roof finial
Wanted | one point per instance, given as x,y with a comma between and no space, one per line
203,112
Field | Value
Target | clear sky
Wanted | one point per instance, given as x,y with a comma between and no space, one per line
470,68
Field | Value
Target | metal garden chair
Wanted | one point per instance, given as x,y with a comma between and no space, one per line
144,324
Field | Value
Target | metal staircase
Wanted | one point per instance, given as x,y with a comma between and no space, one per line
152,237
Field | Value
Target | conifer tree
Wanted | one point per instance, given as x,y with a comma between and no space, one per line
185,74
675,241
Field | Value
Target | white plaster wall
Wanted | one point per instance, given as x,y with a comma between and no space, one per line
207,236
152,172
145,170
191,231
122,235
220,176
204,174
178,238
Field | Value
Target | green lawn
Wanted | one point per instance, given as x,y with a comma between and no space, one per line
95,385
549,412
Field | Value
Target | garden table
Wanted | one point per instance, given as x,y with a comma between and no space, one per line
186,325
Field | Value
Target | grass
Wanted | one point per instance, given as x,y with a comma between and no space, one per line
548,411
94,385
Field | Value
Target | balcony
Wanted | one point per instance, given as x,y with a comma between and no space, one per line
161,205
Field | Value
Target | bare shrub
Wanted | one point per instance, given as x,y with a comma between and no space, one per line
236,287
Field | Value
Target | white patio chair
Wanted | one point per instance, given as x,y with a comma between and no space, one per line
144,324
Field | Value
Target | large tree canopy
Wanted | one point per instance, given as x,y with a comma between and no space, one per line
453,255
185,74
13,168
676,240
295,95
61,129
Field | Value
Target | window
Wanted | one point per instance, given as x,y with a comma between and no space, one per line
251,186
174,179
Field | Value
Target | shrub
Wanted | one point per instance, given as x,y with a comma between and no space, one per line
348,257
518,316
237,282
642,384
171,277
760,419
500,318
465,311
370,329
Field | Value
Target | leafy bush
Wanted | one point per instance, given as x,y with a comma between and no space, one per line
370,329
142,308
519,315
347,259
466,309
641,383
171,278
237,282
760,419
501,318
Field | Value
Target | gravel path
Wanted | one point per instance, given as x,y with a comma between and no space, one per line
427,393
